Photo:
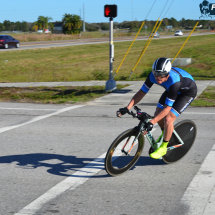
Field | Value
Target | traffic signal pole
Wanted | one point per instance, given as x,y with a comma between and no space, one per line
111,84
111,12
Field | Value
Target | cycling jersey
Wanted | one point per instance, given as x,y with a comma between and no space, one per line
179,83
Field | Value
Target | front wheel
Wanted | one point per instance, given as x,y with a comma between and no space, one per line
17,45
186,129
124,152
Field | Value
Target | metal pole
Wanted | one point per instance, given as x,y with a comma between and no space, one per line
111,84
132,11
111,48
83,19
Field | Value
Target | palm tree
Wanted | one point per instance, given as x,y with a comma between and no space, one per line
67,20
77,21
43,23
37,25
72,23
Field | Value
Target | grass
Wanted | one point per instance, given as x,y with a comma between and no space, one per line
32,37
91,62
53,95
206,99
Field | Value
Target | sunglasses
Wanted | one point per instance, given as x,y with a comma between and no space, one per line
159,75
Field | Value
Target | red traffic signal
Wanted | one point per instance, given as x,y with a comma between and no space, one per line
110,11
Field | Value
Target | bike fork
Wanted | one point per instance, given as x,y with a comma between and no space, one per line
123,149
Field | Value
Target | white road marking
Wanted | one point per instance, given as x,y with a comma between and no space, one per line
39,118
70,183
4,108
199,196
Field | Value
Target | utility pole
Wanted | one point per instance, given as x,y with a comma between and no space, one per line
83,19
132,11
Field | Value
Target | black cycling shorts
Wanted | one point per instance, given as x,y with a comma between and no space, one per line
180,104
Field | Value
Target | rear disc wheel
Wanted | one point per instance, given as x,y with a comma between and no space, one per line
187,130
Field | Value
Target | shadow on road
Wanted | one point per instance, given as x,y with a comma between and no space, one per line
61,164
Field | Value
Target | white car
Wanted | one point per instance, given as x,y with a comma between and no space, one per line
178,33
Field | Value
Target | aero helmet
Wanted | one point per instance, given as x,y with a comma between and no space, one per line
161,67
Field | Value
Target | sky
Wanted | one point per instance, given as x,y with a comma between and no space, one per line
29,10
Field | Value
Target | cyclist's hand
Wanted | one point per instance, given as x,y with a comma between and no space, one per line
148,126
122,111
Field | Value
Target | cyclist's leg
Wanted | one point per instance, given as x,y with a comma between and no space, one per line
160,107
168,129
180,104
168,121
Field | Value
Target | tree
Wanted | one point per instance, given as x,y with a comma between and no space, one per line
104,26
2,27
173,22
24,26
182,22
43,23
72,23
7,25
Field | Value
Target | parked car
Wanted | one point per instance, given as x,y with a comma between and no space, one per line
156,34
40,31
7,41
178,33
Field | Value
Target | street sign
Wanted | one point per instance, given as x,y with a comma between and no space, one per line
110,11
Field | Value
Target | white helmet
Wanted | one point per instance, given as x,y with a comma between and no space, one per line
161,67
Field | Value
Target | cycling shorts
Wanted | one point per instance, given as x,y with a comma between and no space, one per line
181,103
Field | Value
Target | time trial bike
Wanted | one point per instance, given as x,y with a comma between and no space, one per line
128,146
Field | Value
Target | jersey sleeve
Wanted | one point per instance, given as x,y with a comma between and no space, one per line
147,84
172,93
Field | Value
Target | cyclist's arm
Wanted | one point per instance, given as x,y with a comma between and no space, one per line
141,93
137,97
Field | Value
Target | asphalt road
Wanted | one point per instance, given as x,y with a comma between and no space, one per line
45,149
61,43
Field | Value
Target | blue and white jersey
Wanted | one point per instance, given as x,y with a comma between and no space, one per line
179,82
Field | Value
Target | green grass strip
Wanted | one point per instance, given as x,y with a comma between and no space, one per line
206,99
53,95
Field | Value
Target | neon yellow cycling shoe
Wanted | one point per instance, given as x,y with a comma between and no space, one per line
160,151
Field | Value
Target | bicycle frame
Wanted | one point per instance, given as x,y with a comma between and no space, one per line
151,139
155,145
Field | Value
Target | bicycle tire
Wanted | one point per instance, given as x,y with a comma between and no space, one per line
187,130
117,163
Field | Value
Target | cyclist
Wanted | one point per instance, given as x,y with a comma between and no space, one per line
180,91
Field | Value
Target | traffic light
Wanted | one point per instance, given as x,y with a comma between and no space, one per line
110,11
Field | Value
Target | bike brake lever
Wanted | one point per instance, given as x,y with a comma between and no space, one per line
133,114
